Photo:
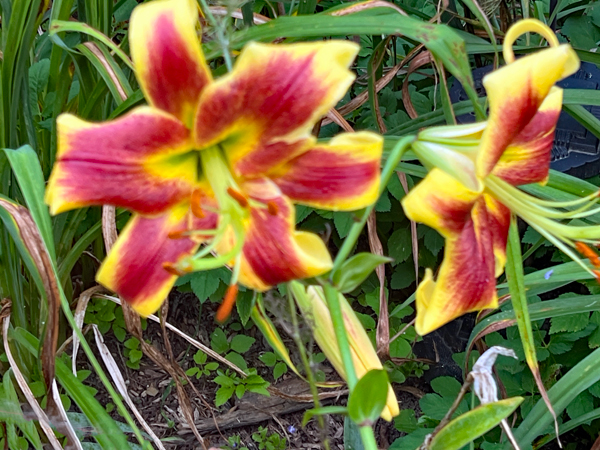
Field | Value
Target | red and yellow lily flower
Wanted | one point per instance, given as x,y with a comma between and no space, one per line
470,192
219,162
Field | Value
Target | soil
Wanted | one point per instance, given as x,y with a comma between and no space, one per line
154,393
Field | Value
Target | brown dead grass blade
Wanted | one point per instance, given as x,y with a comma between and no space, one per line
119,381
184,401
37,249
422,59
413,229
79,315
22,382
383,321
363,97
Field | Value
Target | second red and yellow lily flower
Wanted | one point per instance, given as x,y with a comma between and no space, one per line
219,162
470,191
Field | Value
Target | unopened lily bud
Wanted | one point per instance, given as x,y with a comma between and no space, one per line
314,308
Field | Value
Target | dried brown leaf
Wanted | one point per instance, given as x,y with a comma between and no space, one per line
22,382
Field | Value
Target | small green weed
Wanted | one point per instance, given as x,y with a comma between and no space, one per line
231,383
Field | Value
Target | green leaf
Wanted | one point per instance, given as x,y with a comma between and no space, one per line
383,203
582,33
406,421
268,358
368,398
240,390
446,386
200,357
343,222
473,424
212,366
218,341
356,270
241,343
237,359
400,245
26,166
570,323
403,276
223,394
204,284
580,405
224,380
279,369
433,241
436,407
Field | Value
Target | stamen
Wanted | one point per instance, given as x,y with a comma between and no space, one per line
588,253
177,234
273,208
226,307
238,197
172,269
195,204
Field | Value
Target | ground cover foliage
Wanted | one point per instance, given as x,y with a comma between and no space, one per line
185,381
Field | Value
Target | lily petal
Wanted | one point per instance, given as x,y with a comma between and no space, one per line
273,251
342,175
515,93
274,95
134,267
170,66
466,281
138,162
498,224
527,159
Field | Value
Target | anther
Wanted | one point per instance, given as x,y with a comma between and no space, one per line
177,234
238,197
172,269
588,253
226,307
195,204
273,208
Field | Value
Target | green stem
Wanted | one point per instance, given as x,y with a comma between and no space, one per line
388,170
335,309
368,437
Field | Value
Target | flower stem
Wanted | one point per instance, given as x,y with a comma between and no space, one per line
368,437
390,166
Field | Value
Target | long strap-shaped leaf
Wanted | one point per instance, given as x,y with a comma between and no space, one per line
516,287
